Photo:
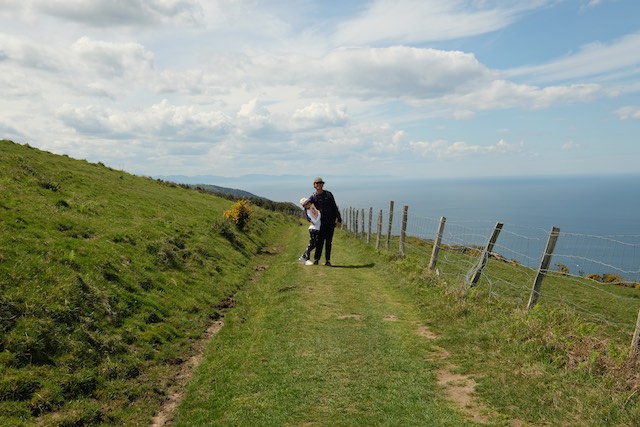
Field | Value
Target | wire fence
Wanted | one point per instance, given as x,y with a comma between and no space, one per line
597,277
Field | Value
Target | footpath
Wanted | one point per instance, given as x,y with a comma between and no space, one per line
325,346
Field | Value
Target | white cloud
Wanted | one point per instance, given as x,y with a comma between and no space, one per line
628,113
161,121
503,94
571,145
416,76
594,60
254,118
260,84
28,54
442,148
8,131
399,71
463,114
319,115
594,3
407,21
85,68
108,13
114,60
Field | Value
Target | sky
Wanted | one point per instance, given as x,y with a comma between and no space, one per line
407,88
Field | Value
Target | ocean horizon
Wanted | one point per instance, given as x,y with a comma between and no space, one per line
597,215
604,205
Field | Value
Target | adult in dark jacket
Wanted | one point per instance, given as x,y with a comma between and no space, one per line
331,218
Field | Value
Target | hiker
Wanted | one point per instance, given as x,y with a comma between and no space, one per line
313,215
331,219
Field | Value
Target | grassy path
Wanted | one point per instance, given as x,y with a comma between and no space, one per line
319,346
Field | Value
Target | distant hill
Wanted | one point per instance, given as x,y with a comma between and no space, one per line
225,190
229,185
230,193
204,182
237,180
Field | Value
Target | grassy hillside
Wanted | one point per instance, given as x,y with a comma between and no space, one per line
225,191
106,281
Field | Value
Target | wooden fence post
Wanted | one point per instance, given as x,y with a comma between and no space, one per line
436,244
635,342
369,228
485,254
355,221
345,218
544,266
403,229
379,233
390,225
362,222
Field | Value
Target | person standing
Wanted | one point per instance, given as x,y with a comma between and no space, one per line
331,218
313,215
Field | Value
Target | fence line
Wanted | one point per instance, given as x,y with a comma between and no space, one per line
599,274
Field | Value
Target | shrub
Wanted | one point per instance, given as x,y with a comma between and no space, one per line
563,269
615,279
240,213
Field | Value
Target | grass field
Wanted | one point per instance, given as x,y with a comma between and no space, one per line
109,282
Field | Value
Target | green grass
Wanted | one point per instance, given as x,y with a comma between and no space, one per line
563,363
312,345
106,279
338,346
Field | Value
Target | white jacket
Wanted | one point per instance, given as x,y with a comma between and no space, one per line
314,216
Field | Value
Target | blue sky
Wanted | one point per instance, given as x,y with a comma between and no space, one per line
411,88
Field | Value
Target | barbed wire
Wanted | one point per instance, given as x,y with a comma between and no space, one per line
599,274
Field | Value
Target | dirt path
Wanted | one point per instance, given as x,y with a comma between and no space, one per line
175,394
314,345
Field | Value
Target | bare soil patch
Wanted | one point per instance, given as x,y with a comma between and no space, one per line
164,418
175,392
350,316
458,388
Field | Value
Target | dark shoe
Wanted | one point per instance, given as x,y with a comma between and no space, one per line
315,262
328,264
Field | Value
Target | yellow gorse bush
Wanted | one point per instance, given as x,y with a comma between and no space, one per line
239,213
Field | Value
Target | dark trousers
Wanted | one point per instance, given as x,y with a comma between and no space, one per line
326,239
314,237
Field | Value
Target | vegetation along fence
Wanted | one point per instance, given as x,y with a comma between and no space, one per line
596,276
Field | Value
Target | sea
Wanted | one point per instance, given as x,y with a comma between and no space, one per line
603,205
598,215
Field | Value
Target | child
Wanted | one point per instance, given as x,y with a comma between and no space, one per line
314,229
